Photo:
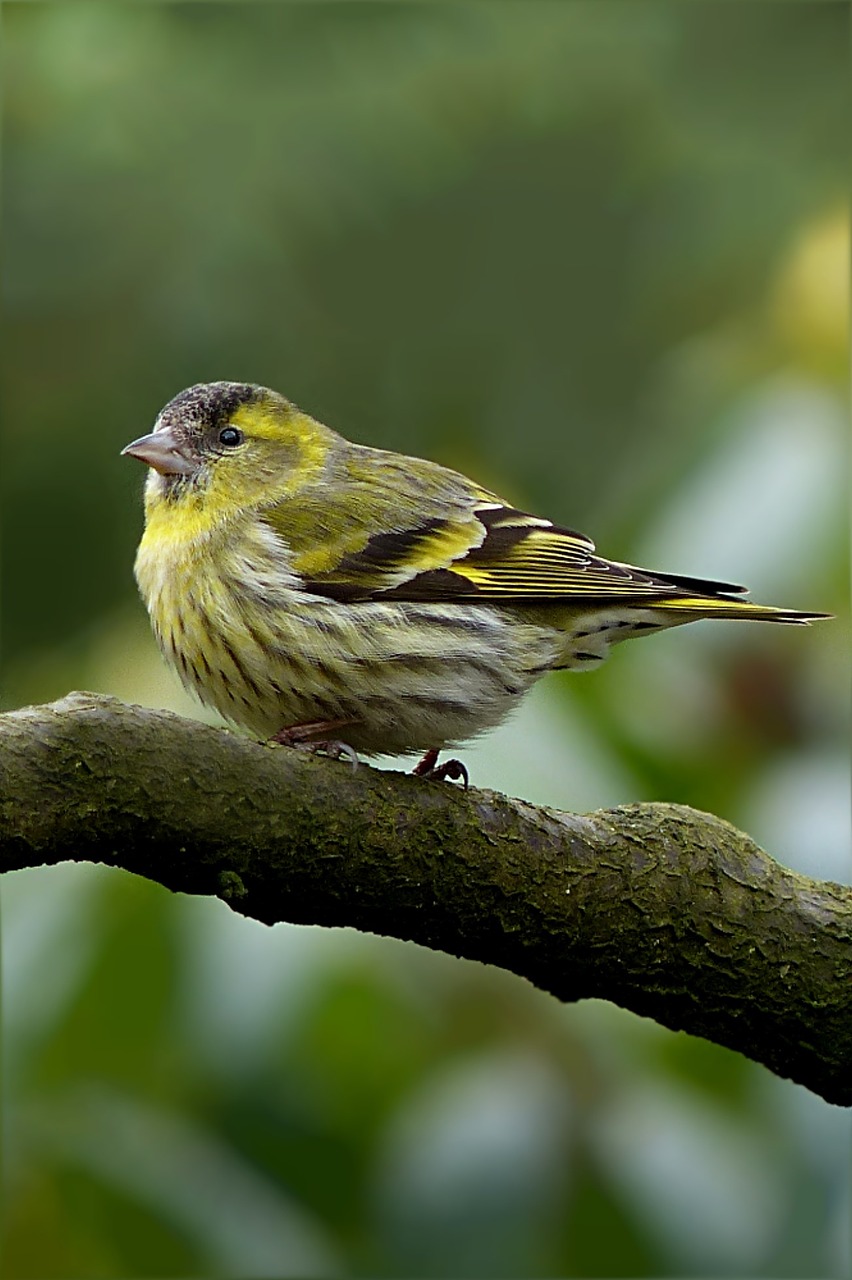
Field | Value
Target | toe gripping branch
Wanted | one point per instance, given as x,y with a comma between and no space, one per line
450,770
301,736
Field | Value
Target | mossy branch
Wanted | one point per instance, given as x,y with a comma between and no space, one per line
659,908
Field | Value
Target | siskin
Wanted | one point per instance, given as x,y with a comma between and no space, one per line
302,585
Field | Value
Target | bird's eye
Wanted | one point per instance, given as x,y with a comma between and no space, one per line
230,437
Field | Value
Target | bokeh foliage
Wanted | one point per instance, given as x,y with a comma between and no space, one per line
596,255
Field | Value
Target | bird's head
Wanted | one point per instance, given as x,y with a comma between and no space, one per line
228,446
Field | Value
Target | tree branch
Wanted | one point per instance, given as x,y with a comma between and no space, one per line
659,908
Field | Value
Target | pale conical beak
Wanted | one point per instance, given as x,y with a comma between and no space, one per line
162,452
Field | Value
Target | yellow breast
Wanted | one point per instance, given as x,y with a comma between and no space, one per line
211,591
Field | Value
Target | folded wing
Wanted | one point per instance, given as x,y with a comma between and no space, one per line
444,540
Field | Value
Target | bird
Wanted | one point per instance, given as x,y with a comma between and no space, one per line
305,586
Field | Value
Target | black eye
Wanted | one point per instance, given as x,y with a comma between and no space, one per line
230,437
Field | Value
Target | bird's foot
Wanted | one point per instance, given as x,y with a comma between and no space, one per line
301,736
452,770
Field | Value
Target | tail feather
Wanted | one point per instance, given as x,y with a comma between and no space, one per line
723,607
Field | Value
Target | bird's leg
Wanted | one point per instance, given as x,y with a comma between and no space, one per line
424,767
301,736
297,735
429,768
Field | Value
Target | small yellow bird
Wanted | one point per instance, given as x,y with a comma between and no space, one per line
301,584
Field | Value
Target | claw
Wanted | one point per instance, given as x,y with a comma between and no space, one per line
334,750
300,737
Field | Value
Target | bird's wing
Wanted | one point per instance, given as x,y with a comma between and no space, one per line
525,558
429,534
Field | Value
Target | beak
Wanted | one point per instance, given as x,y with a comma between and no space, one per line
162,452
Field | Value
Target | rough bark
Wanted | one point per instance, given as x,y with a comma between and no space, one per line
659,908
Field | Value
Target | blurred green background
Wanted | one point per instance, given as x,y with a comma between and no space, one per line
597,255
